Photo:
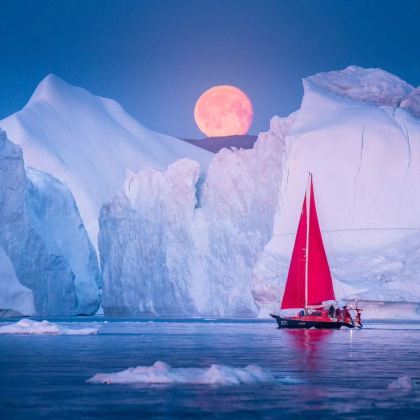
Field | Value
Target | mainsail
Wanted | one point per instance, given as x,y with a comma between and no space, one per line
309,281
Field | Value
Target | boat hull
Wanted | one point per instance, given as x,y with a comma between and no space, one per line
296,323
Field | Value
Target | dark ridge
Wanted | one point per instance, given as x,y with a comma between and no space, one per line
214,144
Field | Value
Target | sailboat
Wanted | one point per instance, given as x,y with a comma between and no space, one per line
309,284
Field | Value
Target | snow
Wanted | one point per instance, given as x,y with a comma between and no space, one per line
171,245
373,86
366,164
162,373
44,239
89,143
28,326
14,298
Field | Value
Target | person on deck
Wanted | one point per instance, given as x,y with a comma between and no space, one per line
346,315
331,311
358,319
338,314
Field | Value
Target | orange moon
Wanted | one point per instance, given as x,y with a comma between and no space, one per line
223,111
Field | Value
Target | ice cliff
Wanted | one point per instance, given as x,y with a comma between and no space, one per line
172,245
48,262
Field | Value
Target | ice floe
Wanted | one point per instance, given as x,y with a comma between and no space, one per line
403,383
28,326
163,373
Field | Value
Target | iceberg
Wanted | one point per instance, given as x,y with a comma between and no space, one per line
364,151
162,373
55,217
172,245
186,232
44,240
89,143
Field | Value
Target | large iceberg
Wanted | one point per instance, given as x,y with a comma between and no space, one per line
170,244
45,242
364,151
89,143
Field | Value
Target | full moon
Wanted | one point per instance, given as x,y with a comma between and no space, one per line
223,111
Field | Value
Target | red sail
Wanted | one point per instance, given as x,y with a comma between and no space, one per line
294,293
320,285
319,282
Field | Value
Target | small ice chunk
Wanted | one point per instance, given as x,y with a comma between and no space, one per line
162,373
28,326
403,382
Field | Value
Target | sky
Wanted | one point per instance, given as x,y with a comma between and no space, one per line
156,57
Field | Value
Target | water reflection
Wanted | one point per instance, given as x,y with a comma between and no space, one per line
310,346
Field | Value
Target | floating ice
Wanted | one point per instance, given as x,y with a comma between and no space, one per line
403,382
28,326
162,373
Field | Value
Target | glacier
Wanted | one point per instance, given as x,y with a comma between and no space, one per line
54,265
89,143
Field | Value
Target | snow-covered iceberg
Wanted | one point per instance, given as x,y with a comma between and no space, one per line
89,143
44,240
171,245
364,151
29,326
162,373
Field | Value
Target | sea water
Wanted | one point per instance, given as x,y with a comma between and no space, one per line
312,373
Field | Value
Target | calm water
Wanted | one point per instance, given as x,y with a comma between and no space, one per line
343,373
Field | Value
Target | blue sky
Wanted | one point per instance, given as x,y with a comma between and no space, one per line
156,57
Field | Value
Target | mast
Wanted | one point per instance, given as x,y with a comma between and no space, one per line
309,281
308,209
